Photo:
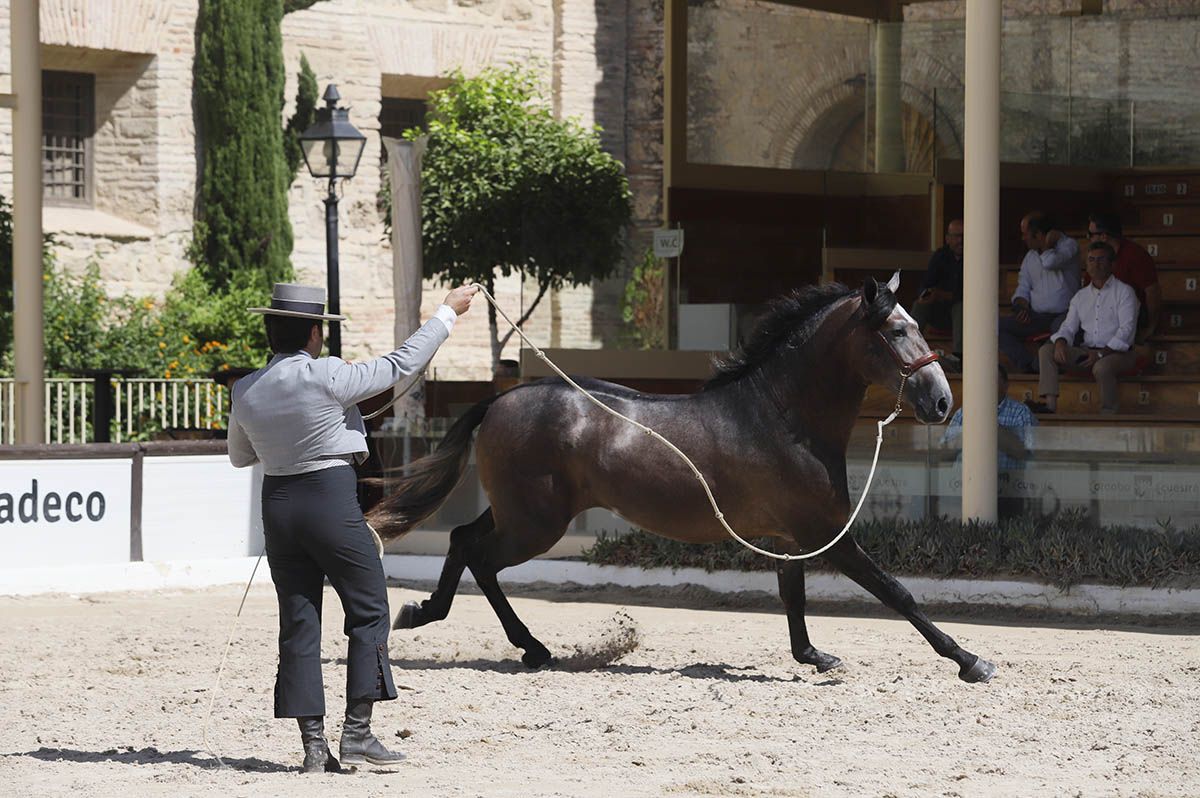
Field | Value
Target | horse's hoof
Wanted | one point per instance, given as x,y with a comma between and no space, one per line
820,660
980,671
407,617
535,659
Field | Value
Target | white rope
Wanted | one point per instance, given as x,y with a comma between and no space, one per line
212,696
695,471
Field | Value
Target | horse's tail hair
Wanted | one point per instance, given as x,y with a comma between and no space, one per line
427,482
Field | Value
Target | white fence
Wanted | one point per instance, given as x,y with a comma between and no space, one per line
140,407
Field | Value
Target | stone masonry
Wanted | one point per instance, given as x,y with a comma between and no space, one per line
602,62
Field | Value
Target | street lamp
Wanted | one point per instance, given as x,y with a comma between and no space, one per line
332,148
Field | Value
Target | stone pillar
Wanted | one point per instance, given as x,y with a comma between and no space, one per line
28,344
404,172
981,192
889,133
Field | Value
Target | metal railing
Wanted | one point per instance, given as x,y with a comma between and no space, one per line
141,407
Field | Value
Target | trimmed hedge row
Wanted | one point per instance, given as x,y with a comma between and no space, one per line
1061,550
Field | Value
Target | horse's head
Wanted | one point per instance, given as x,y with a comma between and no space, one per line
894,347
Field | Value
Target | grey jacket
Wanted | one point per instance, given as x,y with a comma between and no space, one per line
299,414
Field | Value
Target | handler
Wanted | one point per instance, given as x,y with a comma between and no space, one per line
298,417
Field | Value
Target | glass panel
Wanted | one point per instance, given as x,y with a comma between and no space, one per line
772,85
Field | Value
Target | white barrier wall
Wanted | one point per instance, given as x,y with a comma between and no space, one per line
64,512
79,518
200,507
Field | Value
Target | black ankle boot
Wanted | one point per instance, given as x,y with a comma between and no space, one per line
359,746
317,756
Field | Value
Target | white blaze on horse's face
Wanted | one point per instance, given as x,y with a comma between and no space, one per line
927,391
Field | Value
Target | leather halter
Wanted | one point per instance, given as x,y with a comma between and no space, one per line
908,369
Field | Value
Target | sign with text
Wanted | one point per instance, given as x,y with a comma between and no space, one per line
60,512
668,243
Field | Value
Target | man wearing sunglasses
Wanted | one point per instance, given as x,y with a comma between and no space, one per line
1134,267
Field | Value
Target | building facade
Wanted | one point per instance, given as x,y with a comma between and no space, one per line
120,148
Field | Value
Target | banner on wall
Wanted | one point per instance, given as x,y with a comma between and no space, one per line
64,512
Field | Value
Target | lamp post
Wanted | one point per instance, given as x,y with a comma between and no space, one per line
332,148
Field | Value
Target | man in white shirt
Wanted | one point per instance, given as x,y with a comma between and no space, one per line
1049,278
1107,312
298,416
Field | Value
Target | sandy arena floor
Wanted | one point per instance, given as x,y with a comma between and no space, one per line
107,696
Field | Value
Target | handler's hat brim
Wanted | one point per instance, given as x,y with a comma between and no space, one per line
298,301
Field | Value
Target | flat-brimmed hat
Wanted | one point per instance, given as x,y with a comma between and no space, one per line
298,301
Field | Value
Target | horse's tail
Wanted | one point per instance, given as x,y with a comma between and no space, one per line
427,482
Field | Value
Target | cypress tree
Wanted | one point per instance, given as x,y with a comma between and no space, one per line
242,221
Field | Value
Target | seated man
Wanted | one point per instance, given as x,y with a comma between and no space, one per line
1013,438
1106,311
1134,267
1049,278
940,301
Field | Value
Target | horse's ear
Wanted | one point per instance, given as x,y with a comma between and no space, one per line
894,283
870,290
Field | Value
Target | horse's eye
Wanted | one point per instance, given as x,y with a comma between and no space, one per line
900,333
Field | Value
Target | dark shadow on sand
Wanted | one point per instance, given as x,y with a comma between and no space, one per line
126,755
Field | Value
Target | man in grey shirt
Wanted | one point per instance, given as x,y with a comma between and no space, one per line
1049,278
298,416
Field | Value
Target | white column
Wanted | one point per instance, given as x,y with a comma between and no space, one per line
981,193
404,172
28,346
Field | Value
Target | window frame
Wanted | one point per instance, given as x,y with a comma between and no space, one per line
88,116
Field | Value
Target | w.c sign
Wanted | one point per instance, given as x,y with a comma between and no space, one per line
668,243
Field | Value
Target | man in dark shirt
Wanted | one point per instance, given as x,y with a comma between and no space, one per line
940,302
1134,267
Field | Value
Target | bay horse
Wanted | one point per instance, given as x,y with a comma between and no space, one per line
769,432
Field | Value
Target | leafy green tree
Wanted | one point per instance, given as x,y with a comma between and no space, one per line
505,187
303,117
238,81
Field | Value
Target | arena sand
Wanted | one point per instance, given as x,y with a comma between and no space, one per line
107,695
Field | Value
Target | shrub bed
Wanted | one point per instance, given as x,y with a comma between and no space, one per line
1061,550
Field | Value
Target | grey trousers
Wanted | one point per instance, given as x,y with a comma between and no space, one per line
1104,370
943,315
1013,334
315,529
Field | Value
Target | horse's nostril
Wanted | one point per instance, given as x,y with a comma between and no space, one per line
942,406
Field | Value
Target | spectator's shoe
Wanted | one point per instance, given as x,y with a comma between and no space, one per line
358,745
1038,407
317,756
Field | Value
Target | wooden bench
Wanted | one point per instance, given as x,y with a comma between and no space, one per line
1161,395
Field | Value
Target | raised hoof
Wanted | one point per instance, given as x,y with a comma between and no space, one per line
980,671
820,660
536,658
407,617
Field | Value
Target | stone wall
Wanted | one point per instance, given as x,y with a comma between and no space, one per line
602,61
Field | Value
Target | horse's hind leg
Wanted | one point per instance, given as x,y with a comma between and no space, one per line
512,543
854,563
791,590
536,654
437,606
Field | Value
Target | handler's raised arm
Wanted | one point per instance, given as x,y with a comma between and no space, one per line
350,383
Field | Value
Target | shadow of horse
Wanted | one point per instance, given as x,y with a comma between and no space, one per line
152,756
714,671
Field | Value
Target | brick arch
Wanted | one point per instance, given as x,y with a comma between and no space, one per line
133,26
815,106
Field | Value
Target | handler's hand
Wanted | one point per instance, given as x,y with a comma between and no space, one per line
1060,351
460,298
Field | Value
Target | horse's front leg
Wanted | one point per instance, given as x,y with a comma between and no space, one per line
854,563
791,591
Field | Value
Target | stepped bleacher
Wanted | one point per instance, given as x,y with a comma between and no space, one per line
1161,211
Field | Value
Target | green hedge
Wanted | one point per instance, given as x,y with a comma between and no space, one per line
1062,550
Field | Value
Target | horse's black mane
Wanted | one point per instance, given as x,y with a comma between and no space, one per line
791,320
